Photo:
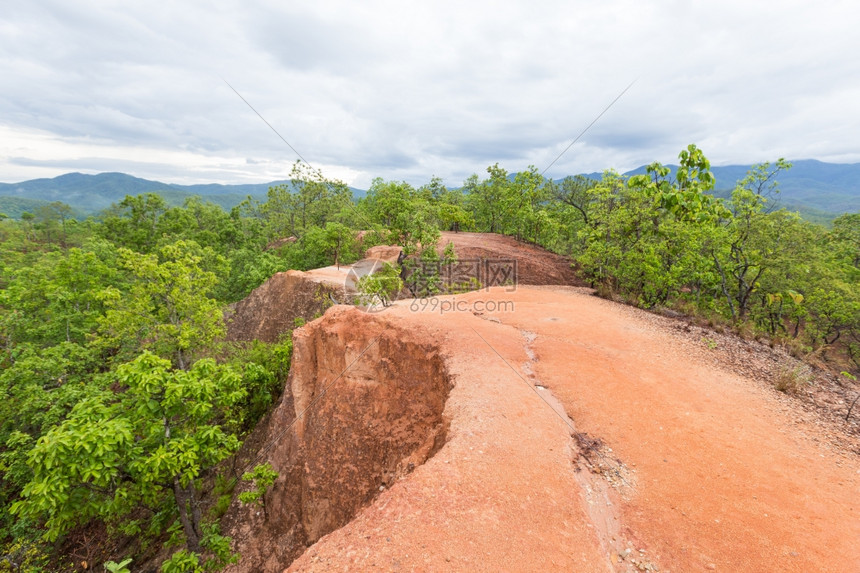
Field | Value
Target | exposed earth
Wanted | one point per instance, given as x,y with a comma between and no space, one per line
542,428
271,309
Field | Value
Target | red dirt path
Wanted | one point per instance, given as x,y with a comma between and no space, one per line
700,469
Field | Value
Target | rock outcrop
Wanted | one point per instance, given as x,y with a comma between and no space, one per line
272,308
363,406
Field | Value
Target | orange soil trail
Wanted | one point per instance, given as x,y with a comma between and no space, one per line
714,474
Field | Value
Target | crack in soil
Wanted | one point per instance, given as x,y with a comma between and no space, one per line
601,478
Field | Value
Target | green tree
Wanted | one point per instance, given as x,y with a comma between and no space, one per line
845,238
134,223
409,216
53,219
574,192
169,307
387,202
261,477
747,244
309,200
523,206
486,199
380,286
116,452
338,243
27,219
58,298
648,236
202,222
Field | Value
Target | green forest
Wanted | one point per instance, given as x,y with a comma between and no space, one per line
123,406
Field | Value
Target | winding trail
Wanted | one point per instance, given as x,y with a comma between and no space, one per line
667,462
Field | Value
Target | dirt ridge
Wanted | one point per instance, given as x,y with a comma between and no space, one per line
355,420
701,469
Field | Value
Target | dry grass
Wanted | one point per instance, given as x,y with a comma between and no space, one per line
792,380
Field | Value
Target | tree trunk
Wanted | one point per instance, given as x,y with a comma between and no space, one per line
723,286
188,516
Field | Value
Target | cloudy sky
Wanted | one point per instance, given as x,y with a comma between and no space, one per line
408,90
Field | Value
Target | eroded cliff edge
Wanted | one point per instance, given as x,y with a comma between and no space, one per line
363,406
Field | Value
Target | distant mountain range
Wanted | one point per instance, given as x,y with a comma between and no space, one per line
818,190
89,194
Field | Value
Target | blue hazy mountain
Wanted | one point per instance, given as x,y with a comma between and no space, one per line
89,194
817,189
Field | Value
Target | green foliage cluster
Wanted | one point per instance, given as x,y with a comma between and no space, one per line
261,478
659,242
119,400
381,286
14,207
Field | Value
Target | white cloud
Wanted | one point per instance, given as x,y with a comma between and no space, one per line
407,90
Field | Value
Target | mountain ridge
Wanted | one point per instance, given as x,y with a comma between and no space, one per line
815,187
